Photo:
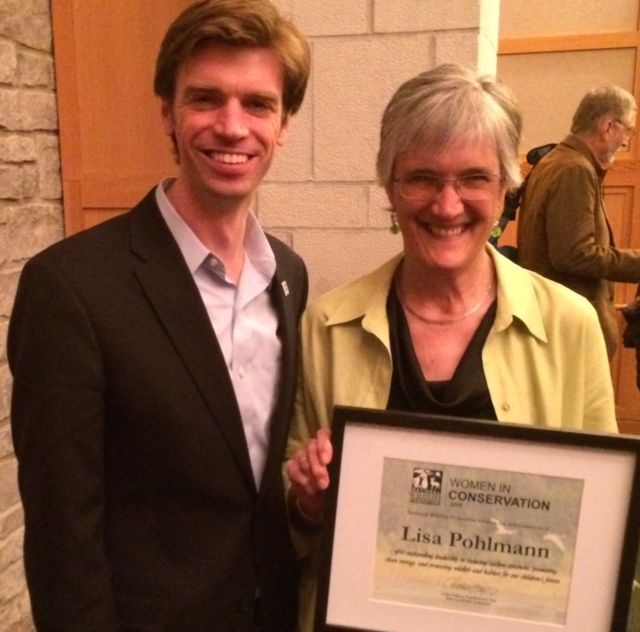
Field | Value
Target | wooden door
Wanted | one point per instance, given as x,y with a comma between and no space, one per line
550,64
112,144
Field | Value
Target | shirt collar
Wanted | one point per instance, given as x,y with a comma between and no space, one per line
195,252
516,297
366,298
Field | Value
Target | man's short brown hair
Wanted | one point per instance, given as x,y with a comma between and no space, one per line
241,23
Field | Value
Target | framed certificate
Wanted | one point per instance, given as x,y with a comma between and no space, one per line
440,523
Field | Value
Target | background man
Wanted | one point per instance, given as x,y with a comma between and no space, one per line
154,357
563,231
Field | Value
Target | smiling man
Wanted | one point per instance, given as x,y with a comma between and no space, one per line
563,229
154,362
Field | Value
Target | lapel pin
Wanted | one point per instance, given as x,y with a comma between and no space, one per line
285,288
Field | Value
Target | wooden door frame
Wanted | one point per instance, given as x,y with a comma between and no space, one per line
62,12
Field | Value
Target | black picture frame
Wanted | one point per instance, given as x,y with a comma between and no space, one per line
367,443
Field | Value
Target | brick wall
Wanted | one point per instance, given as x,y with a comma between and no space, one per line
362,50
30,219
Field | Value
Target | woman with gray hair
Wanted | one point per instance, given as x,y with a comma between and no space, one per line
449,326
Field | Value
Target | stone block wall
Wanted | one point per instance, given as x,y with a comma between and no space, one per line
30,219
362,50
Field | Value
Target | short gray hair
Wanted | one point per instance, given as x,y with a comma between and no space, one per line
447,104
604,101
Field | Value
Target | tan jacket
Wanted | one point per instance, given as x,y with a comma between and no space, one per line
545,362
564,234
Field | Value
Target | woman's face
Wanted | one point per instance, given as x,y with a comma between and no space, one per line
442,230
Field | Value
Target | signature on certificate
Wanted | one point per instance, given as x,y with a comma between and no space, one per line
470,587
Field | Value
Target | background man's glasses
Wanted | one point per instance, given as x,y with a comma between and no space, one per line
424,187
630,130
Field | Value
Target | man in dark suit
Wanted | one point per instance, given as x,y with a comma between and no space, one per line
154,362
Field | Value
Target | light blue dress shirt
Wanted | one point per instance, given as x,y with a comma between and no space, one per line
243,318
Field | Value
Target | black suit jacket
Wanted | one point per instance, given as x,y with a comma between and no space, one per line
141,510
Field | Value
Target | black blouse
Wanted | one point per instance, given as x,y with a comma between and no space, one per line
466,394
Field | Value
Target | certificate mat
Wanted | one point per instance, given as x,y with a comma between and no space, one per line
443,523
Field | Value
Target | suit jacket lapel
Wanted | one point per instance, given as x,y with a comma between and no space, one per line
289,295
170,288
279,419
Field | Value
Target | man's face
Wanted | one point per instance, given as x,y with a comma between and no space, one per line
619,133
227,120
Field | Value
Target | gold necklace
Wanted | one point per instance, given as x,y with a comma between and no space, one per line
448,321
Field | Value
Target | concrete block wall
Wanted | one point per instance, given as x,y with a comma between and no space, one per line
320,196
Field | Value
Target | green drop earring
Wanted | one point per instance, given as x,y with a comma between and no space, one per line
394,229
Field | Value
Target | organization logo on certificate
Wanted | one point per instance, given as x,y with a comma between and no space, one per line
426,486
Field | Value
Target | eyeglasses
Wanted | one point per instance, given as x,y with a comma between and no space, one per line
630,130
423,187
